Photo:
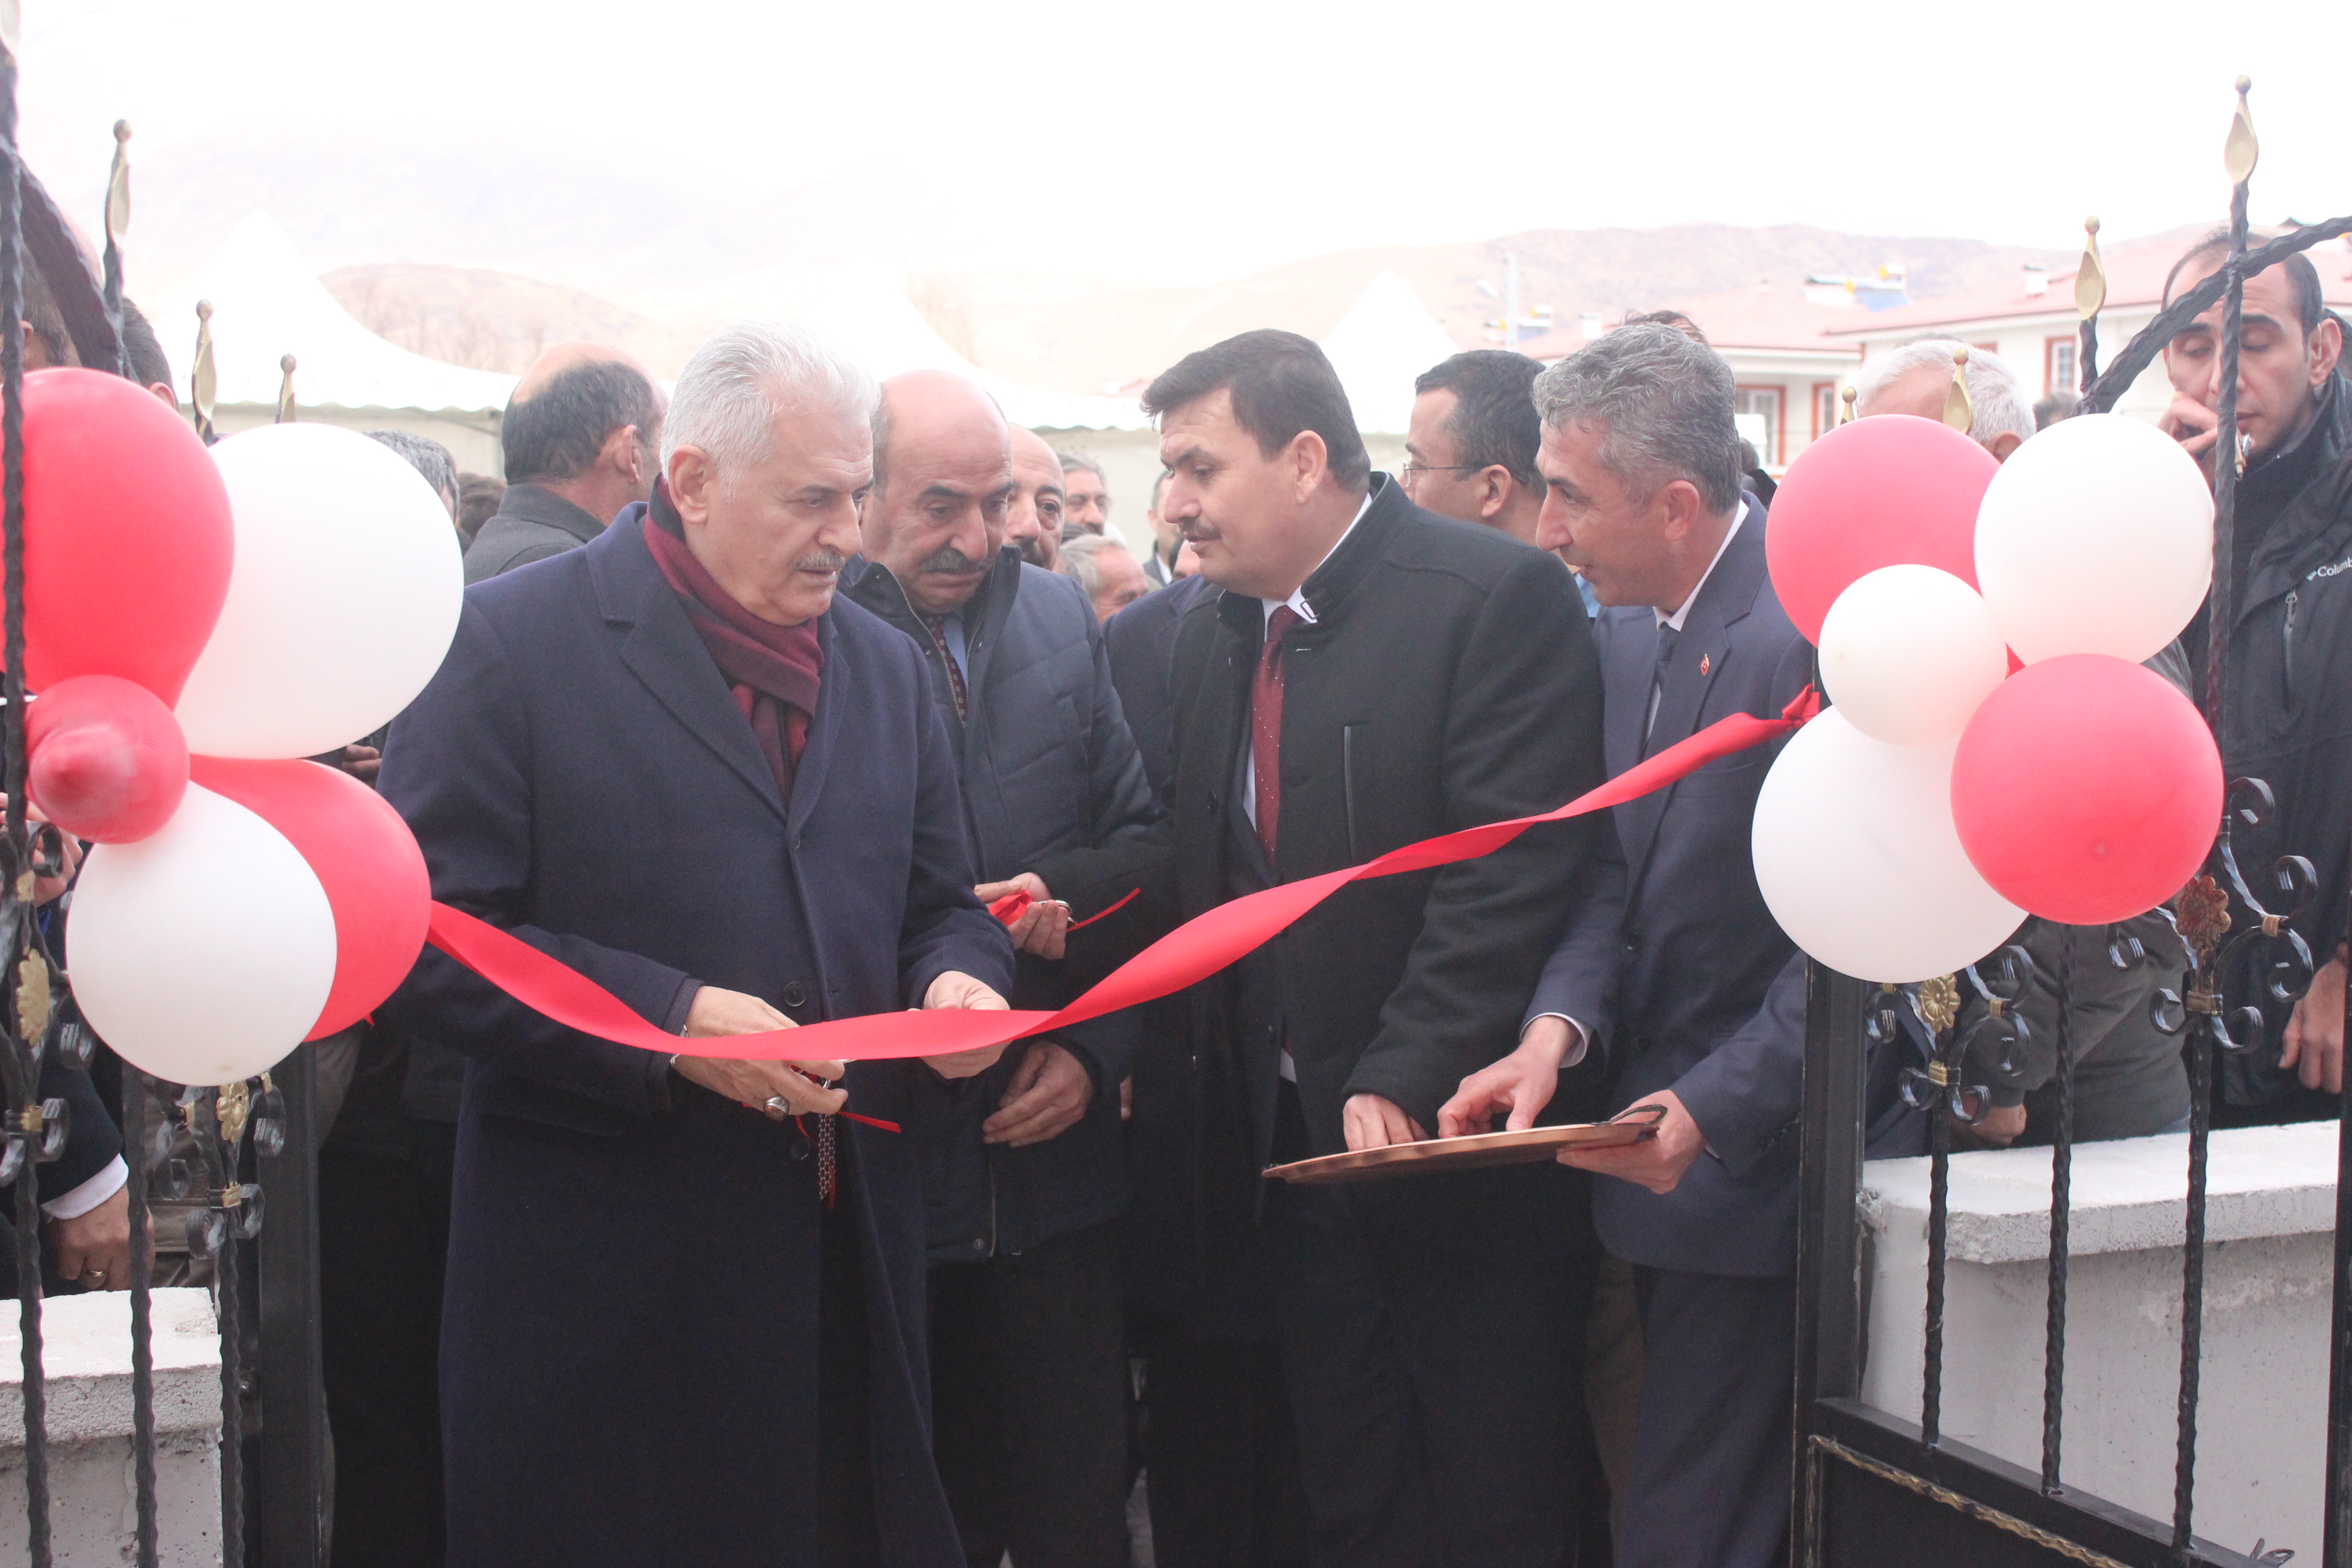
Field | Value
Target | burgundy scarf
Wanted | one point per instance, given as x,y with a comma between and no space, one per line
774,671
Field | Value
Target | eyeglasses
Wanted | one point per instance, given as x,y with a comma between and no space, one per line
1410,469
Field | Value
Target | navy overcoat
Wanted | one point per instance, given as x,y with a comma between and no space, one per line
629,1367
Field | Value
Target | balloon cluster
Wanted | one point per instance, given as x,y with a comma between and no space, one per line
196,623
1996,747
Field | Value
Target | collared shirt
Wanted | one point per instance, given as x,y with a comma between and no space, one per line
953,629
1579,1035
1682,615
1305,612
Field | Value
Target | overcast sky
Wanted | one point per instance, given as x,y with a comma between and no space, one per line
1205,138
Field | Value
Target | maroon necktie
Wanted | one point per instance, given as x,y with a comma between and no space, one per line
1266,727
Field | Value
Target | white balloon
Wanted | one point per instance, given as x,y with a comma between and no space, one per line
205,953
2096,536
1859,861
342,602
1908,652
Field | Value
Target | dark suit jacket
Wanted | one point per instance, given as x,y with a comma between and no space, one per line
628,1368
1142,642
531,523
1711,1003
1434,692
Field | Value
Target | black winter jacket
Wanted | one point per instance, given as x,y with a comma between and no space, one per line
1051,785
2287,706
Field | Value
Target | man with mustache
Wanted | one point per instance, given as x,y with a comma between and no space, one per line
1034,522
1029,1364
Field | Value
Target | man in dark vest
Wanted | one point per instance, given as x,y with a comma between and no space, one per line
1025,1188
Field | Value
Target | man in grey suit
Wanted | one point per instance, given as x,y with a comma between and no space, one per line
581,440
1695,995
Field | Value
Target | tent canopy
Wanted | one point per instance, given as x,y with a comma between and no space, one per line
1384,342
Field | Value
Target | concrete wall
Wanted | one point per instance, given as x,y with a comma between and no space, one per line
2262,1425
86,1355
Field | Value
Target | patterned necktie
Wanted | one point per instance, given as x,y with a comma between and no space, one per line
828,1159
1266,727
938,626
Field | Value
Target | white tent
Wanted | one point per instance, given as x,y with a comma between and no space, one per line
267,302
1385,340
873,321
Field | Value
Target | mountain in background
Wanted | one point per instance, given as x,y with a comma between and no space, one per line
483,255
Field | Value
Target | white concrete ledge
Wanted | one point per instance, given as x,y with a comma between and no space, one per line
86,1354
2128,1195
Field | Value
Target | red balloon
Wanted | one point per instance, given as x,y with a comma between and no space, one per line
1889,490
2086,789
106,760
128,536
364,857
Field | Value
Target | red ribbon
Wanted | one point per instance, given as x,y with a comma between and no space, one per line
1015,904
1185,956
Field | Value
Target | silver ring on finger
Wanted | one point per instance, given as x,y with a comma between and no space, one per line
779,1107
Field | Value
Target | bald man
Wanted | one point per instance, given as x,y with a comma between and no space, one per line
1033,524
1025,1188
582,438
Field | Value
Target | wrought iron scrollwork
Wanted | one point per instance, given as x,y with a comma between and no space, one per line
2215,937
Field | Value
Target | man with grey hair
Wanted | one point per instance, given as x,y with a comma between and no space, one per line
1110,578
1086,500
1691,992
1916,378
685,1306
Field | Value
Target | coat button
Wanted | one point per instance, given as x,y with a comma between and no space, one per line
979,1244
794,996
799,1147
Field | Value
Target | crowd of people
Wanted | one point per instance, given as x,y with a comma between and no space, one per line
766,691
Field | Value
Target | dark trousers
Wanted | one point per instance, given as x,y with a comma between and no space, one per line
384,1248
1219,1455
1425,1328
1029,1398
1715,1441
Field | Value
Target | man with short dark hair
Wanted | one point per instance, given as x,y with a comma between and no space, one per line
2288,715
582,438
1371,675
1025,1188
1470,448
1086,507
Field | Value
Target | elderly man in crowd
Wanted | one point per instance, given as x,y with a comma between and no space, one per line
2129,1081
1641,463
1086,495
1172,558
1916,378
582,438
1470,445
1033,522
1371,675
1110,578
686,1311
2287,718
1029,1364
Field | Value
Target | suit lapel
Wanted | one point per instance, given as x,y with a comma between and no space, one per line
659,646
1700,653
825,728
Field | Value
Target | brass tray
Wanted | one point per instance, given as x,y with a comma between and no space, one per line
1474,1152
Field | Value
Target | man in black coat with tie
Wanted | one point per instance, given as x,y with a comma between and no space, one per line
685,1300
1368,676
1640,465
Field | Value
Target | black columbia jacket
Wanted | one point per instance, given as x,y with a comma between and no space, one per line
2287,709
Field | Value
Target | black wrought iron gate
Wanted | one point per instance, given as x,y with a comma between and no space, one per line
1878,1491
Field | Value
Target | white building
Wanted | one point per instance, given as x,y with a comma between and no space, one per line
1786,366
2031,320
